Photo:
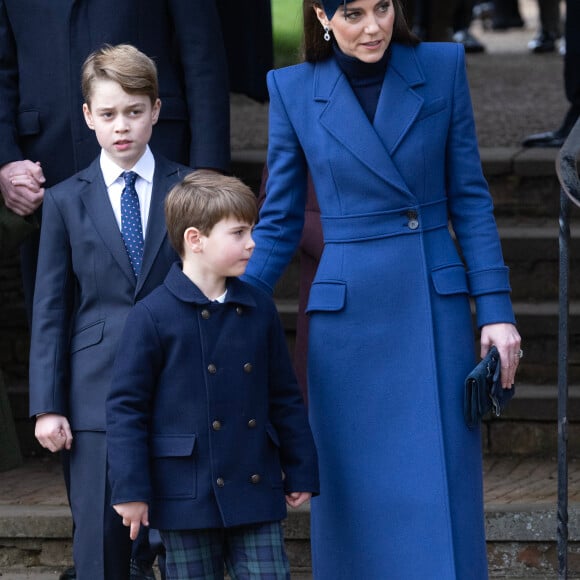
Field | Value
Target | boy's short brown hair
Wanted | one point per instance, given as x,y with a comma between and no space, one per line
124,64
204,198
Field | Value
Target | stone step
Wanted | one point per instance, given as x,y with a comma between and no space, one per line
520,519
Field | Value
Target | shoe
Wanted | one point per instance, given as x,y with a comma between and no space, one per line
68,574
507,23
470,43
543,42
554,138
141,571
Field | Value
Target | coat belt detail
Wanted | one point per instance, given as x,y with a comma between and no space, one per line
405,220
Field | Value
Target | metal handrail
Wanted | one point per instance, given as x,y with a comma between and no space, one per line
567,171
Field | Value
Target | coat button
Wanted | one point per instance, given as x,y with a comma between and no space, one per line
239,310
255,478
220,482
212,369
252,423
205,314
413,222
216,425
248,368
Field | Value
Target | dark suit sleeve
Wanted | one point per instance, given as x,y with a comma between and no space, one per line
53,302
9,149
199,39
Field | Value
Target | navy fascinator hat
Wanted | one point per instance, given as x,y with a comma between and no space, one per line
331,6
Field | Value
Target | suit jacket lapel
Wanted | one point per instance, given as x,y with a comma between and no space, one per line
344,118
99,208
165,176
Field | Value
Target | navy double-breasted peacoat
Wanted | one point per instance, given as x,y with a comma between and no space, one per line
205,408
391,337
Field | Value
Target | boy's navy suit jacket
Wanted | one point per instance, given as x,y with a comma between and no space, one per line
85,287
205,412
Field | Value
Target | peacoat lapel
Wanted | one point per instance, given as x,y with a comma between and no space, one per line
397,109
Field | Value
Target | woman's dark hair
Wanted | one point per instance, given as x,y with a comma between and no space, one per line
315,48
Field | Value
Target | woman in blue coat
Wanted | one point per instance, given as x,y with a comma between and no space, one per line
385,127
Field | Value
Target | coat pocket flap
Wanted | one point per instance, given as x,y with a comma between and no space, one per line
87,336
28,123
327,296
450,279
172,445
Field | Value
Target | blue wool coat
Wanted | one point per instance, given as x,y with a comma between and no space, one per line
205,408
391,336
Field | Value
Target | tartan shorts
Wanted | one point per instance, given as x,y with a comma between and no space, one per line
253,552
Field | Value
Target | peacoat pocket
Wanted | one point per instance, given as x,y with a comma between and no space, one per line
174,466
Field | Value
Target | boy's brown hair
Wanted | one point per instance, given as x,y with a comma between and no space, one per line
204,198
124,64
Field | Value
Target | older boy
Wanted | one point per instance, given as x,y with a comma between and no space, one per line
205,402
103,246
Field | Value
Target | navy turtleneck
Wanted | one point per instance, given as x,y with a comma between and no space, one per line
366,79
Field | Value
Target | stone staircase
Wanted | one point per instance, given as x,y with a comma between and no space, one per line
519,447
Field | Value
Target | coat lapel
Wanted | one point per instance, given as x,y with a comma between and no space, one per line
99,209
343,117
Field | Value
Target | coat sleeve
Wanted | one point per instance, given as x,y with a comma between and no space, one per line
135,374
471,210
52,314
9,149
199,39
282,215
288,415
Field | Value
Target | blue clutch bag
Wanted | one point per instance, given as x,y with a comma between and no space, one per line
483,390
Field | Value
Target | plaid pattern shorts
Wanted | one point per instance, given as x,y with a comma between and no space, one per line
253,552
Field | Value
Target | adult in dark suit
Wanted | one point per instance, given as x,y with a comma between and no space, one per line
42,48
557,137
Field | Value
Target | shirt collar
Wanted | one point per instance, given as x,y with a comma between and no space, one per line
144,168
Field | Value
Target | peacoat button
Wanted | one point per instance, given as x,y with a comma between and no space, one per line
239,310
413,222
205,314
255,478
216,425
252,423
220,482
212,369
248,368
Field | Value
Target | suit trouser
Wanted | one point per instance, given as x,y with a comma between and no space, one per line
101,544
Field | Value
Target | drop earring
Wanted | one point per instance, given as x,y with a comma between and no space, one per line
326,33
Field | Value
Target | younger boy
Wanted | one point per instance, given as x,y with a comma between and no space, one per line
103,246
204,404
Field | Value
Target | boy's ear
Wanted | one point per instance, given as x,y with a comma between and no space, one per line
88,116
155,111
192,238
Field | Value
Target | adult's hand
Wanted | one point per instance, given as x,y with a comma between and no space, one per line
53,432
507,340
21,185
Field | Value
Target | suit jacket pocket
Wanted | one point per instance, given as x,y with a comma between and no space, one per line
450,279
174,469
327,296
28,123
87,336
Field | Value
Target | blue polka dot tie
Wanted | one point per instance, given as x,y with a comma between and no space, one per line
131,228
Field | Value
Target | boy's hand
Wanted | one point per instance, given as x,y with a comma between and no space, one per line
53,432
297,498
134,513
21,184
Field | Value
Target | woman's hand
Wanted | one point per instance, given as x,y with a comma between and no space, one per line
507,341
